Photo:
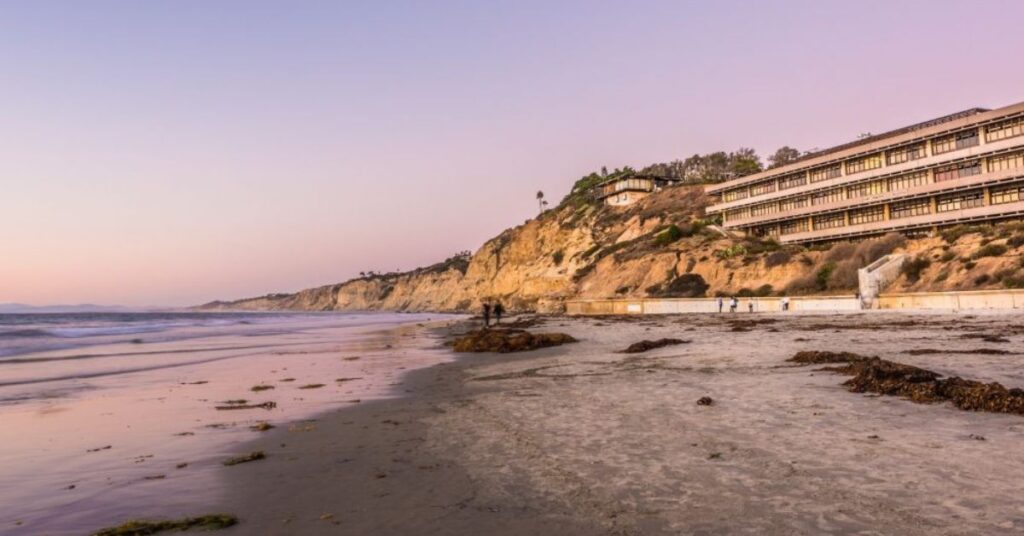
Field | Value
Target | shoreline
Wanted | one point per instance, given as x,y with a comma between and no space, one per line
582,439
362,469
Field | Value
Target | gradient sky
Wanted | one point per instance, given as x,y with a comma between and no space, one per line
171,153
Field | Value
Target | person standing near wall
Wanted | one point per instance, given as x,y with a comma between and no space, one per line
720,303
487,314
499,310
785,303
750,305
733,304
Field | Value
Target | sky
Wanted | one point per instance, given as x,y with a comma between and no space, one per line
168,153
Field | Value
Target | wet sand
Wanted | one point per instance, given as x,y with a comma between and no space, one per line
98,435
582,439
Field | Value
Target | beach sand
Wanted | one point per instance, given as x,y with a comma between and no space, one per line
581,439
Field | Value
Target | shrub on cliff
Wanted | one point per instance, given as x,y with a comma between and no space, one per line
913,268
684,286
669,235
989,250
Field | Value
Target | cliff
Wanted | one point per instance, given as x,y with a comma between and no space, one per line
659,246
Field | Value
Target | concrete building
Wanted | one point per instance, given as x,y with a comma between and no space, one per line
965,167
628,190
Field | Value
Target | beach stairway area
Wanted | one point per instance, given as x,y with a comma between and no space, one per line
874,277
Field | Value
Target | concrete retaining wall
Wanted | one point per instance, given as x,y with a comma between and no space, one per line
652,306
978,299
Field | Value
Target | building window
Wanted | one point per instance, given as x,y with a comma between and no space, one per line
792,181
829,221
1005,129
766,230
734,195
764,208
905,154
826,173
1006,161
867,215
1006,194
794,226
906,209
792,203
960,140
762,188
957,171
828,196
867,188
960,201
909,180
863,164
737,213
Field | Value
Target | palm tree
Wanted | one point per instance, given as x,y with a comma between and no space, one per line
540,201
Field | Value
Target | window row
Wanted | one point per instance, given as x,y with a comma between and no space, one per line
953,142
867,215
734,195
914,207
1005,129
792,181
960,201
829,221
1007,194
906,154
1006,161
864,164
957,171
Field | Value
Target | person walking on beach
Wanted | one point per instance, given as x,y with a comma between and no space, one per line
733,304
487,315
720,302
499,310
785,303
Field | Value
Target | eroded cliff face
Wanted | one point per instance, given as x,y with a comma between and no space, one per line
657,247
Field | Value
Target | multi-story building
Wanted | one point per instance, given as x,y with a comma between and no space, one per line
960,168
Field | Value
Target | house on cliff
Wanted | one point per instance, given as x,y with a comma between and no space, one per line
626,190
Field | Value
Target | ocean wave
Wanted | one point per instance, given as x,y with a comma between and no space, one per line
24,333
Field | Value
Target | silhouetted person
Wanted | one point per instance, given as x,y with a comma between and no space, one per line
750,306
499,310
720,302
487,315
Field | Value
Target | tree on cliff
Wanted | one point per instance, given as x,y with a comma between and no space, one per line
784,155
540,202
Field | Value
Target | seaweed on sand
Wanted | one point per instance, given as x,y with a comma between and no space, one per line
251,457
645,345
508,340
264,405
876,375
143,527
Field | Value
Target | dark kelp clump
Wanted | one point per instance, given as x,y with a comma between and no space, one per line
876,375
507,340
643,346
251,457
264,405
144,527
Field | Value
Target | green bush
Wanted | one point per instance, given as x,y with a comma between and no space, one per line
981,279
1015,241
947,256
913,268
557,257
777,258
989,250
668,235
684,286
759,292
953,234
731,251
823,275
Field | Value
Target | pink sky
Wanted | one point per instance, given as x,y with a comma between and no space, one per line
174,153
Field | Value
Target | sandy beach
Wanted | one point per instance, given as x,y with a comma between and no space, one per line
581,439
